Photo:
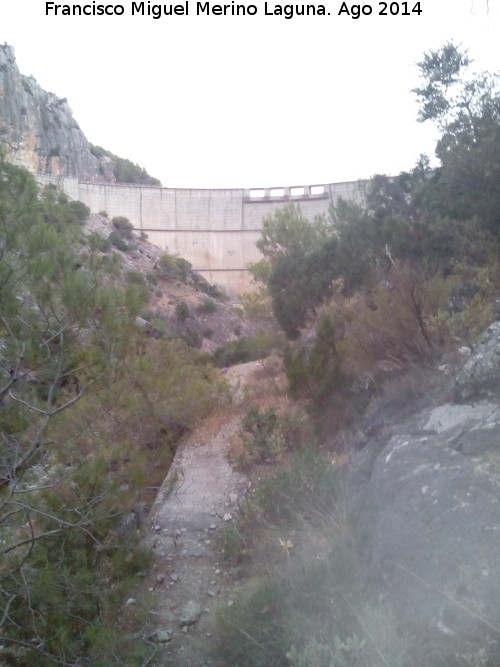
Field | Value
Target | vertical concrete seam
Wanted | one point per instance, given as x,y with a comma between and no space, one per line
140,209
175,209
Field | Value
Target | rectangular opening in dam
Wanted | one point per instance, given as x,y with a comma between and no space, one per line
297,192
257,194
317,189
277,192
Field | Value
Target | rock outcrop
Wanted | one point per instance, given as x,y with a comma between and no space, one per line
39,132
425,502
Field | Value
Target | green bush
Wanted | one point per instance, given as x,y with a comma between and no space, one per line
263,436
103,214
123,225
247,349
209,289
117,240
79,210
173,267
98,242
191,337
207,307
136,278
182,311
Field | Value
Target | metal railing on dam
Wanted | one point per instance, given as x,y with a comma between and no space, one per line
214,229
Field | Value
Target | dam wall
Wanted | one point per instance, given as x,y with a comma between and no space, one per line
214,229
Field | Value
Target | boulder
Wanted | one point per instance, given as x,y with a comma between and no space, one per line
424,501
480,377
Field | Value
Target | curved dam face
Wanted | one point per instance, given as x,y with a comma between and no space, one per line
215,230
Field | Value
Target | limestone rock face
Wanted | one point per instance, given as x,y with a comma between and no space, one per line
425,503
480,377
39,132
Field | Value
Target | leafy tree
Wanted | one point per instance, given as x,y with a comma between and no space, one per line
64,335
287,231
298,282
466,107
297,265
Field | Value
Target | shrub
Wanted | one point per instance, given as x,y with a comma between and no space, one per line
263,438
191,337
112,264
208,307
117,240
151,278
267,435
182,311
209,289
103,214
247,349
173,267
136,278
98,242
123,225
79,210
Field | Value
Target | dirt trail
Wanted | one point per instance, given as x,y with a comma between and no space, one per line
189,577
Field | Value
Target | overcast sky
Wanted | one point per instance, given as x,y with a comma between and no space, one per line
249,101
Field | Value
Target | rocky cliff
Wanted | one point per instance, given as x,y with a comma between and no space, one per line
39,132
425,506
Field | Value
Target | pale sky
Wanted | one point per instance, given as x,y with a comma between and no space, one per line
249,101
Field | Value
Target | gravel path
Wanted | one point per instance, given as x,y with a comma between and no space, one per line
189,577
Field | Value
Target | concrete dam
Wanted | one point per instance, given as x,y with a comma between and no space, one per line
215,230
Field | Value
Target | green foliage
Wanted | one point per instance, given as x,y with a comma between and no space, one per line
441,73
112,264
267,436
136,278
467,110
98,242
300,282
50,591
427,219
207,288
124,170
297,265
123,226
151,278
80,210
308,481
57,210
247,349
317,373
90,413
207,307
182,311
263,437
287,231
173,267
116,239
